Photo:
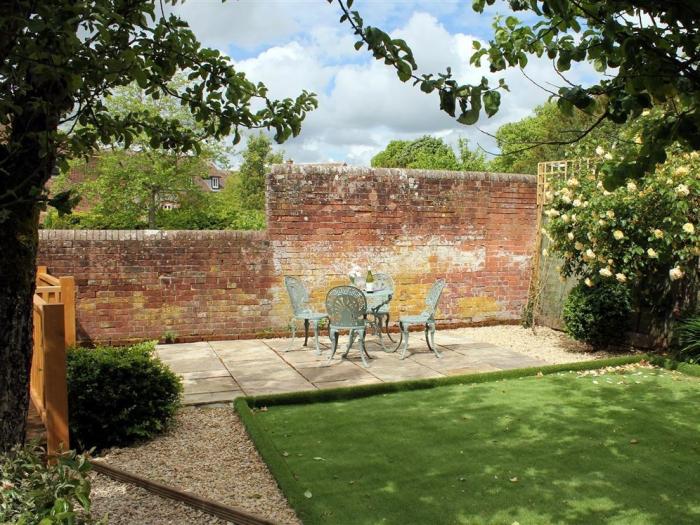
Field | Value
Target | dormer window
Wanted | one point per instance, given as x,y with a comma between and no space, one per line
215,183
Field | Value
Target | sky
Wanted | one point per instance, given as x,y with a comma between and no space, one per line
291,45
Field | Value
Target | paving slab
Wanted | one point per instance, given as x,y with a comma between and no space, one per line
342,371
348,382
211,397
254,388
209,385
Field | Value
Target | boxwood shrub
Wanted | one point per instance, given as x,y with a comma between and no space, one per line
598,315
117,395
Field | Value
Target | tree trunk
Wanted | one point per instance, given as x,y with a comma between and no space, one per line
27,159
152,208
18,238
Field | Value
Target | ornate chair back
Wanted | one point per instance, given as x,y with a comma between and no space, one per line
346,307
431,300
298,295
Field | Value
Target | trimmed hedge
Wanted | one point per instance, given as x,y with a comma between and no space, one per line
117,395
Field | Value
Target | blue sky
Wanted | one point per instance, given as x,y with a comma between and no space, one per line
292,45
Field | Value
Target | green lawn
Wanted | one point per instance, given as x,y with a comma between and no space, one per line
616,448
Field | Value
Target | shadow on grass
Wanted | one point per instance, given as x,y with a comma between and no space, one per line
553,449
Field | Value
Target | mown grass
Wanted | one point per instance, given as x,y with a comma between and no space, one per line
559,448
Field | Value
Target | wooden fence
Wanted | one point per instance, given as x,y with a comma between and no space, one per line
54,331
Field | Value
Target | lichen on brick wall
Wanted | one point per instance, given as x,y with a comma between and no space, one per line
474,229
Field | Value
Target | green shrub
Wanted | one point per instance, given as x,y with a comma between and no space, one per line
32,492
597,315
688,334
119,395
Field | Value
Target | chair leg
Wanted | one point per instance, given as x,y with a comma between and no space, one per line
293,325
306,332
334,346
318,348
388,333
351,341
363,351
430,329
378,330
404,336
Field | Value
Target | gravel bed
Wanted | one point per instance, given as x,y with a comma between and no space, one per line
544,343
207,452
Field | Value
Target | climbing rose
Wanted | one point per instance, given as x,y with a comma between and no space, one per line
605,272
659,234
675,273
688,228
652,254
682,190
588,282
621,277
618,235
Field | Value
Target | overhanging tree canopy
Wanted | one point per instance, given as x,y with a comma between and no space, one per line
59,60
649,50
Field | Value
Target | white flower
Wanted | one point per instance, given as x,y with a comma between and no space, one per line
590,254
694,155
588,282
682,190
670,181
610,262
689,228
631,186
566,199
621,277
545,252
659,234
652,253
681,171
599,185
573,217
610,214
608,156
576,203
645,112
578,246
599,150
601,222
676,273
548,196
570,236
607,193
573,182
585,204
638,139
552,212
565,218
618,235
605,272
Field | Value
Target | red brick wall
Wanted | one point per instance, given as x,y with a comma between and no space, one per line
476,230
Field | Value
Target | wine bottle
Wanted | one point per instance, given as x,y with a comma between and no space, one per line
369,281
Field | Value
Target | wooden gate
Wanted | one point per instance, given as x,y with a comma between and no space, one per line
54,331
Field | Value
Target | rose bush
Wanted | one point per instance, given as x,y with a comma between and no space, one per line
641,231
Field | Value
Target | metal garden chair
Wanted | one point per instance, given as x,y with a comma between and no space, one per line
347,308
426,318
299,298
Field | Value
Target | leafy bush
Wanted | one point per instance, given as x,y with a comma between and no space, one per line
688,333
597,315
32,492
119,395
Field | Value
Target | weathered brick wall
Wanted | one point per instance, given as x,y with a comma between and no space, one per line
474,229
135,285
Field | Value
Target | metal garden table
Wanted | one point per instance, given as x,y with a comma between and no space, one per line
375,301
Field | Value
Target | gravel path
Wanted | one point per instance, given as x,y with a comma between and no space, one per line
546,344
208,452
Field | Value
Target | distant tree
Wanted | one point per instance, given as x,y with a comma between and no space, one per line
471,160
257,158
424,153
533,139
430,153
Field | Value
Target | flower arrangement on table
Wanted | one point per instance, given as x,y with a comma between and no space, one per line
355,273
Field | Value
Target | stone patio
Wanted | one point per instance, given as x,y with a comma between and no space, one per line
219,371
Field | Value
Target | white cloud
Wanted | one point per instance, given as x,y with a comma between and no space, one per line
363,105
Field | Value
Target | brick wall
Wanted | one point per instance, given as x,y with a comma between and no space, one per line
474,229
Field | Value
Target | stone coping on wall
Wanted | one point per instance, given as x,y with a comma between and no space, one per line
150,235
331,168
